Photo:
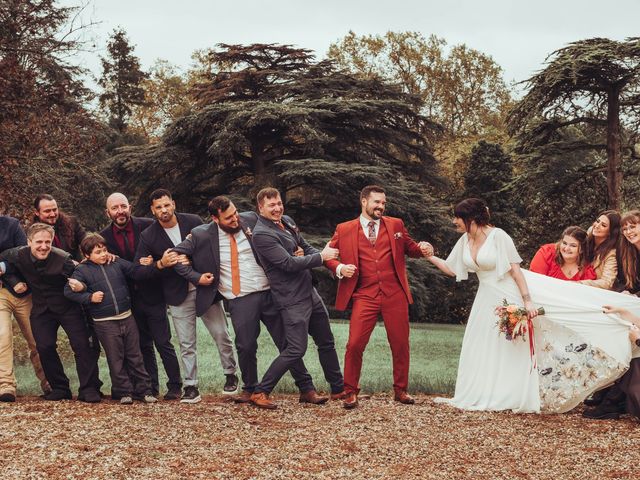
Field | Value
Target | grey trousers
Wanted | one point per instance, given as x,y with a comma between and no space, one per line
184,322
121,344
246,313
308,317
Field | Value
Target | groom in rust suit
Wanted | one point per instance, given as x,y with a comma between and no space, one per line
373,276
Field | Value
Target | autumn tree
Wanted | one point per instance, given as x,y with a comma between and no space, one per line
48,141
121,81
461,88
593,84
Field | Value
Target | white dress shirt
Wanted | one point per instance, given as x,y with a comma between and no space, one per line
252,276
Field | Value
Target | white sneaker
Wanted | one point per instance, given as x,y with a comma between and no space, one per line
150,399
126,400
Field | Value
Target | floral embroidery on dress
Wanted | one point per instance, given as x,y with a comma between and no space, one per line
569,367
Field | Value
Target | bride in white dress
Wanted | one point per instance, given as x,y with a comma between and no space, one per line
578,348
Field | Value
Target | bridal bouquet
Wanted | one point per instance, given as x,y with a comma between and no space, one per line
513,320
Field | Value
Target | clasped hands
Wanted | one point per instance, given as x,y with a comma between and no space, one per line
169,259
426,248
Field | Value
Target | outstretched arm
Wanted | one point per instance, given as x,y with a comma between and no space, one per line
623,312
442,265
272,252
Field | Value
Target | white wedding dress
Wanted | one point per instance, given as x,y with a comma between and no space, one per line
579,349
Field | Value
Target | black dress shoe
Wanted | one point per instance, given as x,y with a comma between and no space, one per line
57,395
605,411
173,394
596,398
7,397
90,396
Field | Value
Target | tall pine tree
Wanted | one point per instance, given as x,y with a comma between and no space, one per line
121,80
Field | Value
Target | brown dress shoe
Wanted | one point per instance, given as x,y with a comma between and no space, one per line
312,397
244,397
339,396
261,400
350,401
403,397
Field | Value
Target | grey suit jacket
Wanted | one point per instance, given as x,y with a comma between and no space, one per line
203,247
289,276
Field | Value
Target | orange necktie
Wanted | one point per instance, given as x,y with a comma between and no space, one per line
235,268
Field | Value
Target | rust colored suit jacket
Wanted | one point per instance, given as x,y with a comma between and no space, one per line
345,239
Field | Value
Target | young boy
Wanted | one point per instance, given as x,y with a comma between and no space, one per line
106,295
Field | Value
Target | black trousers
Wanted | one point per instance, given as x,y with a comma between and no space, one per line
309,317
246,313
121,344
153,328
45,331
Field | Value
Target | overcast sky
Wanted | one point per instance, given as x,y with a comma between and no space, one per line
518,34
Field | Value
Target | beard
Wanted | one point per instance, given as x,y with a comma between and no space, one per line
230,230
375,213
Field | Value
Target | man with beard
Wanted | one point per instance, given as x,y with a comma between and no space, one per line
148,306
68,232
223,251
277,239
158,241
373,276
46,270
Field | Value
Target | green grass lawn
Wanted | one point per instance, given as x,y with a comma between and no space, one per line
434,361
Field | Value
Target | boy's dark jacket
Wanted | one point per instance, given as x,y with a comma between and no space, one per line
111,279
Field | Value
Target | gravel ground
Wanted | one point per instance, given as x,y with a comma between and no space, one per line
217,439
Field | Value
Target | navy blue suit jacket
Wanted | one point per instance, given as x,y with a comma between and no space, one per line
154,241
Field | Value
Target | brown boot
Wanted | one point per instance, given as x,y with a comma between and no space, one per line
261,400
339,396
312,397
403,397
350,401
244,397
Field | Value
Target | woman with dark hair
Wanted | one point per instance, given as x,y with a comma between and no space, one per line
629,253
572,350
565,259
601,249
624,395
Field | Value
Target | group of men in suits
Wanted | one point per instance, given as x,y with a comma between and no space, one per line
259,263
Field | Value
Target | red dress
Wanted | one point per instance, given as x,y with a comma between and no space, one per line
544,262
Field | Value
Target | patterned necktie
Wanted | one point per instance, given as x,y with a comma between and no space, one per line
235,267
372,232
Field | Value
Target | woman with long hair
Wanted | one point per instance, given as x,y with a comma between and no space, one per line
601,249
566,259
571,350
629,253
624,395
